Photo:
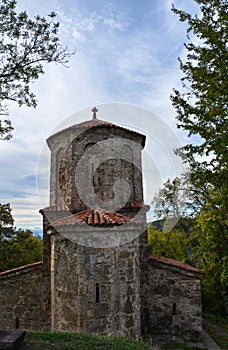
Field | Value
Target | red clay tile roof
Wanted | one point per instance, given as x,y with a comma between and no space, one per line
175,263
63,207
97,123
22,268
95,217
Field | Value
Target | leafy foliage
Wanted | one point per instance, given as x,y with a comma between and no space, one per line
178,203
202,107
17,247
202,194
172,244
25,45
6,218
202,110
20,248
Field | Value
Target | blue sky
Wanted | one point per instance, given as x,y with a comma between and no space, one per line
126,55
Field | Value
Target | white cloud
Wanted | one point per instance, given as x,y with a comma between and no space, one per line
127,56
83,28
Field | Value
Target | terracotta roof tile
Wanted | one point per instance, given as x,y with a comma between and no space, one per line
175,263
96,123
95,217
63,207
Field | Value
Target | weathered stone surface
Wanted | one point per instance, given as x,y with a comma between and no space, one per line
67,149
171,302
84,284
119,291
12,340
24,300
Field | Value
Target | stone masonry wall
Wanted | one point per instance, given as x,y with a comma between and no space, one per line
80,273
24,300
171,302
67,151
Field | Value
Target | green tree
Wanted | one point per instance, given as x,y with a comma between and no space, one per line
202,104
177,204
201,108
20,248
173,244
6,219
211,253
17,247
25,45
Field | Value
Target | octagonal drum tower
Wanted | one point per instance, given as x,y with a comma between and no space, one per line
95,229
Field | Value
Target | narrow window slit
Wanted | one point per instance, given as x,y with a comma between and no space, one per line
174,309
17,323
93,175
97,293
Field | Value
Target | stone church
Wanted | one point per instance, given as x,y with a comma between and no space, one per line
97,275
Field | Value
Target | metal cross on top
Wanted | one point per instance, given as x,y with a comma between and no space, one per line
94,110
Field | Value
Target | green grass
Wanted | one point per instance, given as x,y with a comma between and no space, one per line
75,341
